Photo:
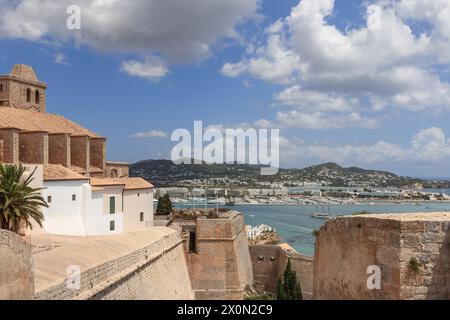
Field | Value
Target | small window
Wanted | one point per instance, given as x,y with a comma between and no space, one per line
112,225
37,97
74,197
112,205
141,216
49,199
139,194
28,95
1,87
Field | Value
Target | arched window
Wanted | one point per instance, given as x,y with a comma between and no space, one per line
37,97
28,95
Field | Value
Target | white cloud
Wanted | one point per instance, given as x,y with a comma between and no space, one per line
178,30
323,120
428,146
152,68
150,134
313,101
60,58
384,65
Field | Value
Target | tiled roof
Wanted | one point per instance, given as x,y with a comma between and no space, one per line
128,183
57,172
26,120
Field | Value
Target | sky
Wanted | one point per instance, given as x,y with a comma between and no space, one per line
359,83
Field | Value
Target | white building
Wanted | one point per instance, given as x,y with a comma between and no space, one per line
81,206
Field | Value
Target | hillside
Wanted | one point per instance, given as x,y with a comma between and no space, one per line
166,173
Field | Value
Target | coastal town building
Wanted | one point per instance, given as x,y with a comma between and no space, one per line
86,194
81,206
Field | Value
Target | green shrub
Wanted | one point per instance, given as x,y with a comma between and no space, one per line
413,265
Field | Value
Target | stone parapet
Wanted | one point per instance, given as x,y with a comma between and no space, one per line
410,250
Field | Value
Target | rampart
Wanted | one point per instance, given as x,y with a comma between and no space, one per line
269,263
410,250
16,268
144,265
218,256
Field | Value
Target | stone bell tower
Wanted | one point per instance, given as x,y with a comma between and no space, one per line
21,89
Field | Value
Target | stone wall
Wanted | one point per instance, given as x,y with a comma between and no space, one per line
347,246
15,86
220,268
33,147
98,152
16,268
10,138
80,152
117,170
429,243
143,265
59,149
269,263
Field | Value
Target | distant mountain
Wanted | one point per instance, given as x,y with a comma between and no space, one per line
166,173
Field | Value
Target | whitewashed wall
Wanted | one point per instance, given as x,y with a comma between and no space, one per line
97,212
64,216
135,202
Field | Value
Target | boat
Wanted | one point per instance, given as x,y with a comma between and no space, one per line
319,215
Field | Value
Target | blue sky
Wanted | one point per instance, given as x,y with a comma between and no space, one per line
362,83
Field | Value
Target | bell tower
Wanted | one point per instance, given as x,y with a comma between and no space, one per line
21,89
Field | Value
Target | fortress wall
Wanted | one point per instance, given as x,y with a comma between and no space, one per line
98,152
143,265
347,246
80,152
10,138
117,170
16,268
429,243
269,263
221,267
33,147
59,149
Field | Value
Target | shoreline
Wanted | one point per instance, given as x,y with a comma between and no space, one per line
371,203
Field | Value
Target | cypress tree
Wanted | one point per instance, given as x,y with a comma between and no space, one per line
289,288
280,294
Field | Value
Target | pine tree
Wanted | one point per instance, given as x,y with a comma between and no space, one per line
164,205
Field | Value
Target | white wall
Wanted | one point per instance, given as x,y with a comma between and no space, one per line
64,216
97,211
135,202
88,215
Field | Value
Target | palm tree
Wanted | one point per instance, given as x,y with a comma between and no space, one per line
19,202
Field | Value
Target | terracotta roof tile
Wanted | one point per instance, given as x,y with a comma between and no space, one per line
128,183
26,120
57,172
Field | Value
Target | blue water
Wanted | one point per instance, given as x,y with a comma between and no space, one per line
295,224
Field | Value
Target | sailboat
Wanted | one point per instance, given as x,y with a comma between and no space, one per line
321,215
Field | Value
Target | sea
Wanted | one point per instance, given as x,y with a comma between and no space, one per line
295,225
